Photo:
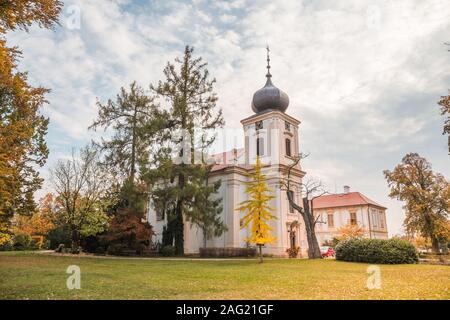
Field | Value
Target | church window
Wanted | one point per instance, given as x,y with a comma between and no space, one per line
330,220
259,146
352,218
259,125
288,147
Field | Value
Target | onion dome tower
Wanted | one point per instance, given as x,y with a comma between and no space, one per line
269,97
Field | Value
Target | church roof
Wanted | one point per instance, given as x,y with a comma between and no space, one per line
227,158
343,200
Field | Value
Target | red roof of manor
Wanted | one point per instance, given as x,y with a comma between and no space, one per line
343,200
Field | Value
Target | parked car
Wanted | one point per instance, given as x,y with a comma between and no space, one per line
326,251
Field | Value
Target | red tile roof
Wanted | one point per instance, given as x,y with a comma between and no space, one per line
343,200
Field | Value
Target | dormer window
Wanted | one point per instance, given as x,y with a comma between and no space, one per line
259,125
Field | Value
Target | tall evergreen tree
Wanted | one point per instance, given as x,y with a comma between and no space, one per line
132,118
193,112
207,207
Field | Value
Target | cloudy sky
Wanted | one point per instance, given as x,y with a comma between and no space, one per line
362,76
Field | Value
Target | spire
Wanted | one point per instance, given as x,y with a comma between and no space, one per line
269,97
268,75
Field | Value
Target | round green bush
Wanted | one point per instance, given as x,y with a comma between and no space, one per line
23,242
392,251
168,251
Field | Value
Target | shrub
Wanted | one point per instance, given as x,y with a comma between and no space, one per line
116,249
293,252
220,252
168,251
392,251
99,250
59,235
7,245
23,242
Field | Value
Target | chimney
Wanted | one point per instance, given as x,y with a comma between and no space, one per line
346,189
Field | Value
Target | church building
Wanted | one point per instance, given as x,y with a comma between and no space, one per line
273,134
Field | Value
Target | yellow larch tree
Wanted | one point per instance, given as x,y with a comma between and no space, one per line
258,211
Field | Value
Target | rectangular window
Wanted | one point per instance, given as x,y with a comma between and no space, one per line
159,215
291,208
375,220
352,218
381,220
288,147
330,220
259,146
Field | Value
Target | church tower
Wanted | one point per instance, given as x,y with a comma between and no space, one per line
272,134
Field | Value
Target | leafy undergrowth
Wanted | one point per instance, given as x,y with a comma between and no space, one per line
35,276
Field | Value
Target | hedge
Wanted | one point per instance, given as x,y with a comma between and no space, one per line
223,252
392,251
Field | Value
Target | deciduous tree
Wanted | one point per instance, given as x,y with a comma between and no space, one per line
350,231
426,196
81,186
22,127
445,111
257,209
310,190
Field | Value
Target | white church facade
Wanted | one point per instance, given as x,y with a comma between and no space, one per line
273,135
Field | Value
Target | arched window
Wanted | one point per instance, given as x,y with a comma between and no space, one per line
259,146
288,147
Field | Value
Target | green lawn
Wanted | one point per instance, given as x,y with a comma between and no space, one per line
36,276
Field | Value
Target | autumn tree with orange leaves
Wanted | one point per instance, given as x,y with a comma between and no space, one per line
22,127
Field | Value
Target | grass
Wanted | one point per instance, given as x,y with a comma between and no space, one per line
26,275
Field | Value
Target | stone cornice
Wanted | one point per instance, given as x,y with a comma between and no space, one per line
266,115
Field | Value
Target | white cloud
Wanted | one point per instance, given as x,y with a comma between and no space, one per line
362,76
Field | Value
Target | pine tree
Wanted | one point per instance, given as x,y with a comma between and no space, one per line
134,119
206,209
258,209
192,112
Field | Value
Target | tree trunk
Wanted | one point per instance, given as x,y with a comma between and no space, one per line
434,245
179,230
75,241
204,238
313,245
260,253
133,148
